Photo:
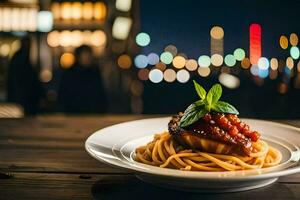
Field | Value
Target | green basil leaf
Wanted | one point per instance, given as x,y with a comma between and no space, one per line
192,114
224,107
214,94
200,90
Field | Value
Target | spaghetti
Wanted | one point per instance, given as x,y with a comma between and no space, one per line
165,152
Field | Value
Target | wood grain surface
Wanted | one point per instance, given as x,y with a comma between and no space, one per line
44,158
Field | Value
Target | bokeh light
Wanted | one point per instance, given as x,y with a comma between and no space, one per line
254,70
99,10
45,75
169,75
263,73
204,71
255,43
53,39
245,64
216,60
294,39
143,74
66,10
161,66
263,63
294,52
166,57
217,32
141,61
287,71
124,61
142,39
55,9
230,60
77,38
98,38
289,63
87,10
76,10
65,38
191,64
67,60
123,5
182,76
121,27
45,21
156,76
172,49
274,63
229,81
4,50
179,62
85,37
153,58
283,42
239,54
204,61
283,88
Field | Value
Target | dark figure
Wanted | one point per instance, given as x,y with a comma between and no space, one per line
23,86
81,89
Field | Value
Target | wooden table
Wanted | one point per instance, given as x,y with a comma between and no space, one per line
44,158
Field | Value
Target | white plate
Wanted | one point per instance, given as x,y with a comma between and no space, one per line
115,146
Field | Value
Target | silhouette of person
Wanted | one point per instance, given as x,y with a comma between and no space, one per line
23,85
81,89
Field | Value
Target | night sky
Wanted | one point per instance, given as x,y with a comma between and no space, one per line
186,24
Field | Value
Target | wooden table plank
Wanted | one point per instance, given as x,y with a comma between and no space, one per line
53,143
95,186
47,158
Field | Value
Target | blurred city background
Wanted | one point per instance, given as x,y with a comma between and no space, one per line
131,56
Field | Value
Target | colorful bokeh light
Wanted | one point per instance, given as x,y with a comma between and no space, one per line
169,75
204,71
283,42
156,76
294,52
274,64
141,61
216,60
217,32
239,54
230,60
172,49
245,64
179,62
124,61
191,65
204,61
143,74
153,58
182,76
142,39
166,57
263,63
255,43
294,39
229,81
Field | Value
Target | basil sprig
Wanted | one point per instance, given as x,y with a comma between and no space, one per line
208,102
